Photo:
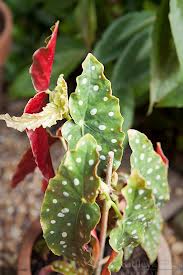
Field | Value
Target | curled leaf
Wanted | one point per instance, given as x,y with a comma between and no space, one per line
69,211
159,151
42,63
50,114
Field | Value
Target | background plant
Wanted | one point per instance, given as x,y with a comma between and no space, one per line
120,33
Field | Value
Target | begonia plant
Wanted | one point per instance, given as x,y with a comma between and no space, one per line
86,190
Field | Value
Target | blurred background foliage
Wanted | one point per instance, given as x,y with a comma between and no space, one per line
140,43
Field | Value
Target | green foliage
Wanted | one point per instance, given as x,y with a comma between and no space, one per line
87,21
96,111
149,164
166,75
176,22
119,33
69,211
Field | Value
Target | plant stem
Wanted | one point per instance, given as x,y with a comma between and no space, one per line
105,213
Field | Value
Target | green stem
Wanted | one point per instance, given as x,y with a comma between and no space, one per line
105,213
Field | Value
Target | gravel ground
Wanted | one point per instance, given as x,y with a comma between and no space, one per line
20,206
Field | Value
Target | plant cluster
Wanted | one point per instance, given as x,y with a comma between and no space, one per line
86,191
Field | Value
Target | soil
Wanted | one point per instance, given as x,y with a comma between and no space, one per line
2,22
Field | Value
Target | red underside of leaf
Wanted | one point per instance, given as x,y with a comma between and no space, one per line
27,165
40,141
96,247
42,63
159,151
105,270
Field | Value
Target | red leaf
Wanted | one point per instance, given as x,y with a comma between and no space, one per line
27,165
36,104
96,247
42,63
39,138
159,151
105,270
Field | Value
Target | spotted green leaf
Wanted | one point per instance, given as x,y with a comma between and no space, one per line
67,268
149,164
96,111
139,212
55,110
69,211
152,237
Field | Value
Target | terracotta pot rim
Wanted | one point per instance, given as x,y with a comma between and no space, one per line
7,18
5,35
24,267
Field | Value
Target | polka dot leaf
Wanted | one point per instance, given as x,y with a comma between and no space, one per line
69,212
139,212
68,268
150,165
152,237
96,111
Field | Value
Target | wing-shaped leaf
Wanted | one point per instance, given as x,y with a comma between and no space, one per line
152,237
176,23
51,113
69,212
42,63
120,32
139,212
166,76
149,164
96,111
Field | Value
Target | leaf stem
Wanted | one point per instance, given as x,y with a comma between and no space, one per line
105,213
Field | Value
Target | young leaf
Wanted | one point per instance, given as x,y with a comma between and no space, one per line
68,268
51,113
69,212
96,111
149,164
42,63
139,212
152,237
